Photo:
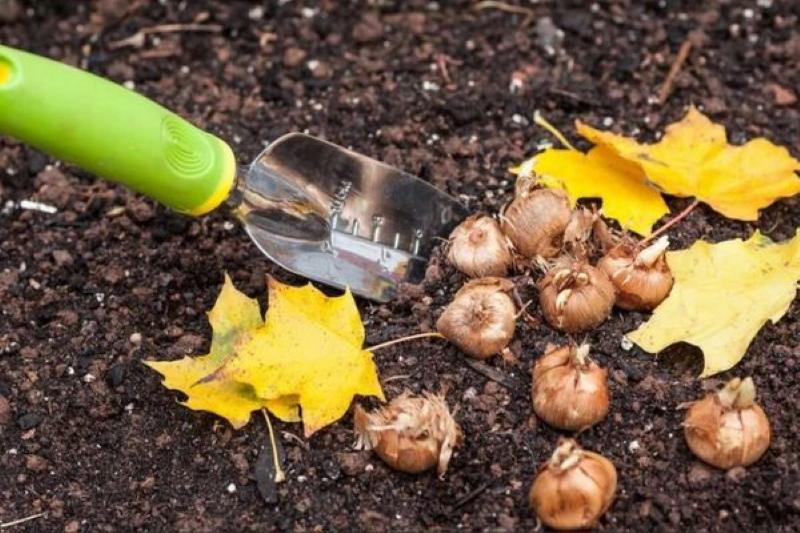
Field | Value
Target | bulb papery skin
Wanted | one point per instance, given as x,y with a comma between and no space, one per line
727,428
574,488
535,221
411,434
570,391
642,280
481,318
478,248
576,296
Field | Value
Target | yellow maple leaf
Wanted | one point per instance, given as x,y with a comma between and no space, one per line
695,159
600,173
233,319
306,354
757,281
314,352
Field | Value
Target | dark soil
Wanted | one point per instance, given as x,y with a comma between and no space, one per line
90,437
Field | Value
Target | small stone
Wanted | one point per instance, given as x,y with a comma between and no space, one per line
737,473
319,69
62,258
368,29
5,411
506,522
331,469
135,338
782,95
699,474
37,463
351,464
240,462
72,527
294,57
116,375
29,421
231,488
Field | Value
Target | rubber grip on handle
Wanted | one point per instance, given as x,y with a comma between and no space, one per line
113,132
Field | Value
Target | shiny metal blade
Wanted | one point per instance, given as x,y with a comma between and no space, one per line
341,218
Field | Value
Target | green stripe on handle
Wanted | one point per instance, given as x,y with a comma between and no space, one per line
112,132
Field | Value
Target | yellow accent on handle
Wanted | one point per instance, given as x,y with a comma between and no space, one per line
5,72
224,186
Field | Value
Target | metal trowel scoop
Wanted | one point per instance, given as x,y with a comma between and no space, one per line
314,208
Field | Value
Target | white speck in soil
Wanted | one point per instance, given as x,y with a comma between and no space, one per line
625,343
430,86
228,225
89,378
608,122
634,446
257,13
231,488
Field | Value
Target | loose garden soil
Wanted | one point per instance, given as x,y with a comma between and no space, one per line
90,437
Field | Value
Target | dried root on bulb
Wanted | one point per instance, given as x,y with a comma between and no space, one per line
478,248
575,296
411,434
570,391
727,428
574,488
535,221
481,318
641,278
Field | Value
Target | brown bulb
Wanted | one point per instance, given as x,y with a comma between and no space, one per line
575,296
478,248
574,488
578,233
411,434
570,391
727,428
481,318
535,221
642,279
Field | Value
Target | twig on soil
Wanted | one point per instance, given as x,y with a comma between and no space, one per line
493,374
397,378
404,339
508,8
291,436
137,39
666,87
461,502
19,521
680,216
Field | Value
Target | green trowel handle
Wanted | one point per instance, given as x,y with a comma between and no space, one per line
112,132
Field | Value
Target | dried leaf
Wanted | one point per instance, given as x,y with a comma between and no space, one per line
723,294
695,159
600,173
307,353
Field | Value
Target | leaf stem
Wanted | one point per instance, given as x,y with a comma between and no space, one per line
542,122
680,216
279,473
404,339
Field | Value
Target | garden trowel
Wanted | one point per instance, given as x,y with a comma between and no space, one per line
313,207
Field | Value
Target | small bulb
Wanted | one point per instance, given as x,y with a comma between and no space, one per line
535,221
575,296
727,428
411,434
570,391
579,231
481,318
642,278
574,488
478,248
